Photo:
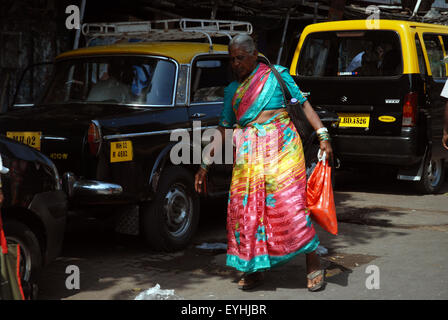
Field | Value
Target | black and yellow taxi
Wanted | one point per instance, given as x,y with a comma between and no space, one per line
383,78
107,120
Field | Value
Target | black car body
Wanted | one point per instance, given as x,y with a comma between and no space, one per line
34,208
113,150
110,120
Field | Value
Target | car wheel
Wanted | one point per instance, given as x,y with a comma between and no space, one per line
169,222
433,176
31,257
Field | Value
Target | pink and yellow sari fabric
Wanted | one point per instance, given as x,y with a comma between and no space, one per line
267,220
249,90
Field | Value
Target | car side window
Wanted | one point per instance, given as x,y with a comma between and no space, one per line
444,41
209,78
435,55
420,57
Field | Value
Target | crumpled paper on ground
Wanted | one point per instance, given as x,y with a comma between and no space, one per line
212,246
155,293
321,250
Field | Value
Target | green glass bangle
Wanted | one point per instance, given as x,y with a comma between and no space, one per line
323,137
204,166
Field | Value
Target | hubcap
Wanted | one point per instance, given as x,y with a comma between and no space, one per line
178,209
434,172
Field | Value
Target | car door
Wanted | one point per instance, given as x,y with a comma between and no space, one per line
210,74
436,48
31,84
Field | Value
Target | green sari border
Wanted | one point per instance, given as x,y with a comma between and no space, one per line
266,262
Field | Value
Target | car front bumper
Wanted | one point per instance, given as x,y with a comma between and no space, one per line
90,191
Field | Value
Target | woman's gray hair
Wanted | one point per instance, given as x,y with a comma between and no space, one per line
243,41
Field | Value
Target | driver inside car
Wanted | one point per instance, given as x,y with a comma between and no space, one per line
112,88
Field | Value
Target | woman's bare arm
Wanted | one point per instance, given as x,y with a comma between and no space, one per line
316,123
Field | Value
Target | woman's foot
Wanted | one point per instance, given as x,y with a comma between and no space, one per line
315,275
250,280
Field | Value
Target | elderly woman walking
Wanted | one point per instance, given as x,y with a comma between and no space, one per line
267,220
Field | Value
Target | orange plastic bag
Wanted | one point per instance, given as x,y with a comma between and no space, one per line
319,197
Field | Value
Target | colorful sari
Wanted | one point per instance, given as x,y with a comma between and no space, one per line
267,220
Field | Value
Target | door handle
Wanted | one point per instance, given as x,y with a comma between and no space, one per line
198,115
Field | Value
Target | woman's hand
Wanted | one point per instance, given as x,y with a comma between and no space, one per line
325,146
200,180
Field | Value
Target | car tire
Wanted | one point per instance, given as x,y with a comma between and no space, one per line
169,222
433,176
30,251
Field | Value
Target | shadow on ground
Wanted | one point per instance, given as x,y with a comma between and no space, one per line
117,267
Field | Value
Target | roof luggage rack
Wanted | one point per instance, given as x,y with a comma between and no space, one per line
159,30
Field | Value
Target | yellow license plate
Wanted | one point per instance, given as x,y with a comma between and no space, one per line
354,120
121,151
30,138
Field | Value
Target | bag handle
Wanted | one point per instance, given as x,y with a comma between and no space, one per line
3,242
321,155
296,114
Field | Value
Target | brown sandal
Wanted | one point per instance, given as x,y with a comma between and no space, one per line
319,285
250,280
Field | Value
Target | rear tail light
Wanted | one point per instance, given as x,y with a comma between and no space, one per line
94,138
410,109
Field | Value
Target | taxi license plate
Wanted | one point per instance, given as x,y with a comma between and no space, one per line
354,120
121,151
30,138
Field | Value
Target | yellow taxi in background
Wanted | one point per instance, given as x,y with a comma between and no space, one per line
384,81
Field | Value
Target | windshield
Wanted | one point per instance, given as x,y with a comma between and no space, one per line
351,53
113,79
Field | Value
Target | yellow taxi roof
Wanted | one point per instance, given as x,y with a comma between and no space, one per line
410,64
183,52
382,24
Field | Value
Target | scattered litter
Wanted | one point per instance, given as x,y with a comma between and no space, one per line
321,250
155,293
212,246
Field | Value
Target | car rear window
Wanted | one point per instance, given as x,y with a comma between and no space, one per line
113,79
371,53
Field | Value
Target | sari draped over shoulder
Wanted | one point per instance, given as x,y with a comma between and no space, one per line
257,93
267,220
